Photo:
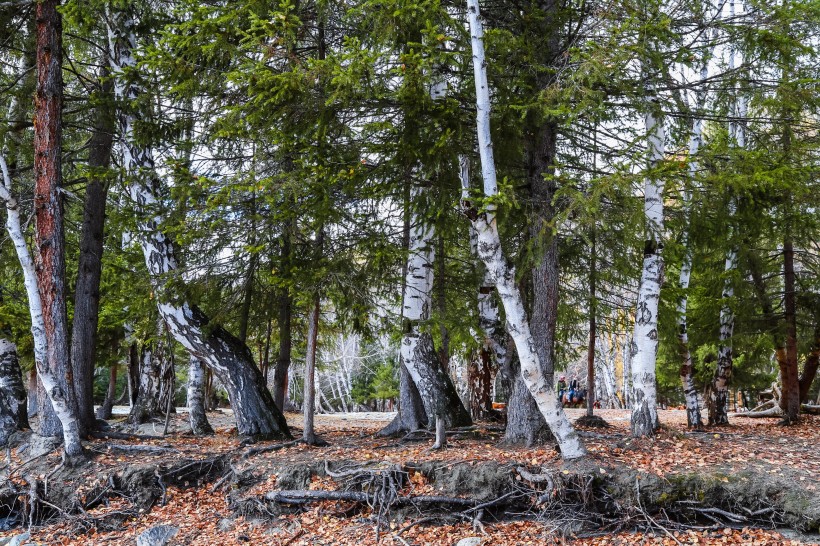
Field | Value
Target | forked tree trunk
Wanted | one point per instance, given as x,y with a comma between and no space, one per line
13,410
87,291
500,270
196,399
438,394
256,414
644,346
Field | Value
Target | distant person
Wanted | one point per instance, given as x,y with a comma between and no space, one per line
562,387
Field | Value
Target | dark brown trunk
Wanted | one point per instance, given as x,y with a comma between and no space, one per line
133,373
89,271
441,301
105,409
280,373
48,209
811,365
247,298
790,401
592,330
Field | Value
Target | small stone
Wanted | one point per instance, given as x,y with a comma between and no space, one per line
160,535
469,541
225,525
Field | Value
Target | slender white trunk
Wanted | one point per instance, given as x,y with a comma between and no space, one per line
644,346
499,269
690,392
68,418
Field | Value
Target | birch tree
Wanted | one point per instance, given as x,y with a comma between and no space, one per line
644,345
256,414
500,270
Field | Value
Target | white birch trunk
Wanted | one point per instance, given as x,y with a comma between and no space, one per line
196,398
644,345
227,356
690,392
719,395
68,418
499,269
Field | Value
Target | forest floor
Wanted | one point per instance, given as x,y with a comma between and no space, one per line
746,483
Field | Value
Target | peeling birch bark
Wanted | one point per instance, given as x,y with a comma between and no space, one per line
499,269
256,414
693,416
196,399
644,345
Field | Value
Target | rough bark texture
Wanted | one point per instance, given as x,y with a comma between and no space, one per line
256,414
811,365
687,375
31,391
719,393
13,410
280,372
87,291
790,402
499,269
411,415
148,404
593,327
480,383
526,425
105,409
133,373
196,399
644,346
55,370
309,405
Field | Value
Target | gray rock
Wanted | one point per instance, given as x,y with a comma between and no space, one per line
157,536
225,525
15,540
470,541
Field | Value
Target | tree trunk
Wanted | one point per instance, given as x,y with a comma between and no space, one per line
811,365
593,309
280,373
13,410
247,297
719,393
309,406
196,399
687,372
89,271
644,345
31,391
148,404
526,425
55,370
133,373
499,269
790,402
256,414
438,394
105,409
